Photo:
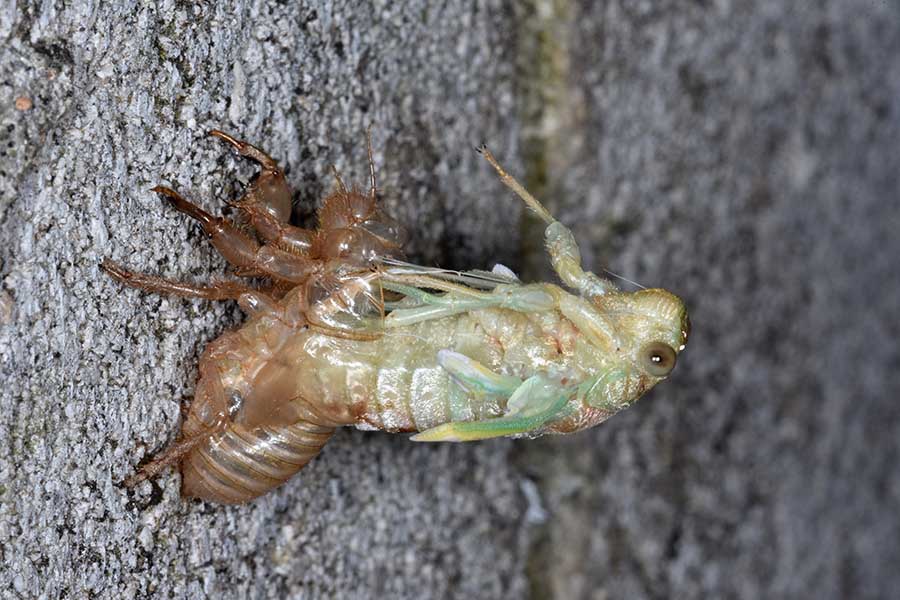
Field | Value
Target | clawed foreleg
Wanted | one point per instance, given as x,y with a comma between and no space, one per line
240,249
267,201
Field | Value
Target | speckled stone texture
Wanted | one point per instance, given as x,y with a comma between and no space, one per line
744,155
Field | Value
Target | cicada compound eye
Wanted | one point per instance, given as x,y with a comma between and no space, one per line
658,359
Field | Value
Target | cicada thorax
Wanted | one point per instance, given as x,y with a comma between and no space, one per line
257,429
353,237
355,230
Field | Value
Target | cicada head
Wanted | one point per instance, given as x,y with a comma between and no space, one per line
651,327
634,339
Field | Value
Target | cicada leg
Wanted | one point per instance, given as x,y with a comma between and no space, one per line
474,377
458,299
535,402
240,249
267,201
170,456
561,245
219,290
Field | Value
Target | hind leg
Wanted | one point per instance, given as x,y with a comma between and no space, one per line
171,455
220,290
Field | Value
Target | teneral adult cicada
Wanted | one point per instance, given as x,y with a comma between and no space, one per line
348,333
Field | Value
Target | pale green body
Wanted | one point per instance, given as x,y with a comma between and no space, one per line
472,355
464,367
397,384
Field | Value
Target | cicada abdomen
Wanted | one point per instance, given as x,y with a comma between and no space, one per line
240,463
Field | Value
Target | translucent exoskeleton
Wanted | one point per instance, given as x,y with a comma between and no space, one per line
346,333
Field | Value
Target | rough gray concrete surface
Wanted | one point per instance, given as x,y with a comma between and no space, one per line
744,155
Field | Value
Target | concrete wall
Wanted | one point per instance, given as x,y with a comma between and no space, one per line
743,155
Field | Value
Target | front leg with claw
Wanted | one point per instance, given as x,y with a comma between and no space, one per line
267,201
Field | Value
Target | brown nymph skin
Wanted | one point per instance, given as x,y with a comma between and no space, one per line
352,232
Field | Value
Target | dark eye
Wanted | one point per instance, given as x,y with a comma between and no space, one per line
658,359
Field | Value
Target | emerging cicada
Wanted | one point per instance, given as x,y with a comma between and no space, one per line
347,333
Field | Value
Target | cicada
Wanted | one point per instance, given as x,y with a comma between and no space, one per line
346,332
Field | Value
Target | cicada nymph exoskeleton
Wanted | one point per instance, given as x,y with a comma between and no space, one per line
242,435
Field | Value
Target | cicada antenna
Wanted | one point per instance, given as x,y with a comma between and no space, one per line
373,192
337,178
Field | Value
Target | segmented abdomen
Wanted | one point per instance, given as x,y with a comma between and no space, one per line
239,464
241,455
